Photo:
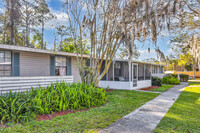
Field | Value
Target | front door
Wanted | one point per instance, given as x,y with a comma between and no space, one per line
135,74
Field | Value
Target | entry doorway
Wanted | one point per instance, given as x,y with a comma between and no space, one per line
134,74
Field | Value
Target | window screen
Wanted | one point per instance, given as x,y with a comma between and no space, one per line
141,72
161,69
147,72
5,63
153,69
156,69
118,69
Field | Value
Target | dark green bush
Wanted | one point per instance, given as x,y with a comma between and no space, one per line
170,80
172,75
156,81
184,77
24,106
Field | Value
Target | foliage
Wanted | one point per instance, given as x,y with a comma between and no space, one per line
184,77
111,24
170,80
172,75
185,59
163,88
23,106
120,103
156,81
37,41
183,116
68,46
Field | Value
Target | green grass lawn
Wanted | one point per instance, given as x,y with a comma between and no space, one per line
120,103
194,83
184,115
163,88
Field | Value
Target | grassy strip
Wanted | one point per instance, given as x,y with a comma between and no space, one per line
163,88
183,116
120,103
194,83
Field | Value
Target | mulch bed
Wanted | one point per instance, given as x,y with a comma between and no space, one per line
60,113
51,116
149,88
109,90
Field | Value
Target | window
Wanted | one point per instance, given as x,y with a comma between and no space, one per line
161,69
153,69
60,66
5,63
156,69
141,72
118,69
147,72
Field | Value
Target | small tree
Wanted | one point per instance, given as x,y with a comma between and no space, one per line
109,23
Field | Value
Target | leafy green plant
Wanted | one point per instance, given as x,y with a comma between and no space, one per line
170,80
156,81
172,75
184,77
24,106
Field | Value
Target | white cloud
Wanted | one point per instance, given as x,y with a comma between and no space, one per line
61,19
170,51
1,10
144,54
63,0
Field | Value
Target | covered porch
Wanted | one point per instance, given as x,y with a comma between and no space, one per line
124,75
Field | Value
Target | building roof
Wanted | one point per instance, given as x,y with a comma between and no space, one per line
126,60
51,52
44,51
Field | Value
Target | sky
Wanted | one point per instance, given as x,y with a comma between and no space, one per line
61,19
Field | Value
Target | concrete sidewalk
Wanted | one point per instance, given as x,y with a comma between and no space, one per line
146,118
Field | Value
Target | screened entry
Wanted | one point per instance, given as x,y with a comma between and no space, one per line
122,75
118,71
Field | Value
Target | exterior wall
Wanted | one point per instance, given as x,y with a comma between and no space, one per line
142,84
23,83
115,85
75,71
34,64
125,85
159,75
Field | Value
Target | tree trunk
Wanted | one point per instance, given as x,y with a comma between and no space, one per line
4,33
27,26
12,23
193,69
42,45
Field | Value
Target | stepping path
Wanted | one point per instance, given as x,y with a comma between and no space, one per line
146,118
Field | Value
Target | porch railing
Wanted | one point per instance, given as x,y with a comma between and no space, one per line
24,83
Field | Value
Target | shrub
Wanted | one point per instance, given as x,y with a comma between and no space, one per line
184,77
172,75
24,106
170,80
156,81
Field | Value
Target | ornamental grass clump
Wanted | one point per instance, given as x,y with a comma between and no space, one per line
25,106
